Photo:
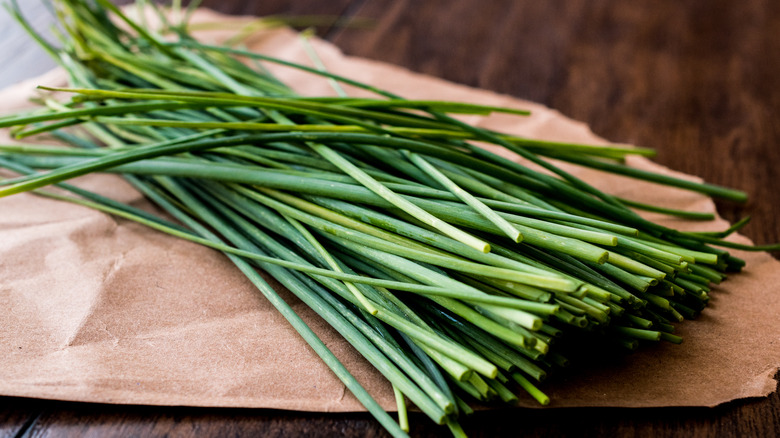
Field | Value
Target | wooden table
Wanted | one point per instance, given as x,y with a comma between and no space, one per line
697,80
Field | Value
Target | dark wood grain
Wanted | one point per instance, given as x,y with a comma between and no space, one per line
17,415
746,418
697,80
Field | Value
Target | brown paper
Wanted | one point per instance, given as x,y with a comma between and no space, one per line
98,309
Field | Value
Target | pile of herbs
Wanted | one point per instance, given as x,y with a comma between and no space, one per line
453,270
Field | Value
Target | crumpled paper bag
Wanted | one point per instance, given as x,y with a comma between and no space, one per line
102,310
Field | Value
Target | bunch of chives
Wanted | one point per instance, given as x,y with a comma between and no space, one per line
457,273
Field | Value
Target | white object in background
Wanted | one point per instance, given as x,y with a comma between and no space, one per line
20,56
